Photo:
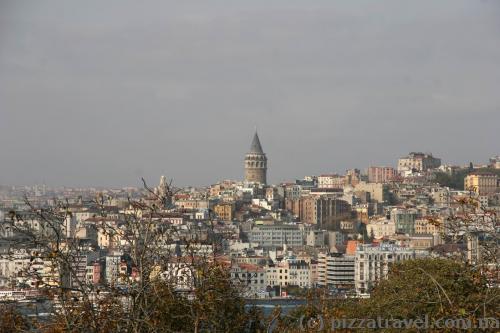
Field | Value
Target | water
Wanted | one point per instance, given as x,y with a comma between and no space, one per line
268,305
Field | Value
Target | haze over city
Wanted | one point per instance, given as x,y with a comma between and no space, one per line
103,93
249,166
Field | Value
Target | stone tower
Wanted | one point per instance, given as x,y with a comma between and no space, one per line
256,163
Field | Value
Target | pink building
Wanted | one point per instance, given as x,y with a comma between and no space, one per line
381,174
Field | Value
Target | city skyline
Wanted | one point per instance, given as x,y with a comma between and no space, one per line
393,166
91,98
249,166
242,176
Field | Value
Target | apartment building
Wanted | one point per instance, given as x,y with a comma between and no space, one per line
252,278
423,226
381,227
331,181
377,174
418,162
372,263
277,235
336,271
225,211
324,211
483,184
378,192
404,219
290,272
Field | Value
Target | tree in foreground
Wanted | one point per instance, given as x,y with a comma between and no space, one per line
170,291
12,321
415,289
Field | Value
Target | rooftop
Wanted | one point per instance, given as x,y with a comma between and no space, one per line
256,148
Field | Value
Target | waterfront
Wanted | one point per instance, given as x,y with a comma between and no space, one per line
268,305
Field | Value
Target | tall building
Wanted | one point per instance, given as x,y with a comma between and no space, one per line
256,163
325,212
404,219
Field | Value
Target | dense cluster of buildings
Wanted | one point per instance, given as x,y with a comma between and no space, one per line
340,232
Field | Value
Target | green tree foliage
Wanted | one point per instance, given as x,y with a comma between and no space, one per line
436,288
433,287
456,179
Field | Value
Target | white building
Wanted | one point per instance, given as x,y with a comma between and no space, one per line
20,267
380,228
373,262
418,162
290,272
299,273
180,273
263,203
112,271
251,278
331,181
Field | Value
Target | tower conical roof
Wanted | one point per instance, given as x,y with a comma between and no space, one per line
256,148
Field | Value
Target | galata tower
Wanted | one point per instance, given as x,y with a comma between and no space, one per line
256,162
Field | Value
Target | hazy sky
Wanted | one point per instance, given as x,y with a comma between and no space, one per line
104,92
